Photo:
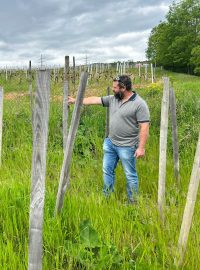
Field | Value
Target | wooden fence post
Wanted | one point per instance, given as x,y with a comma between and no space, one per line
40,133
124,67
65,102
117,68
172,106
163,147
139,70
1,122
121,69
190,204
64,176
74,73
107,114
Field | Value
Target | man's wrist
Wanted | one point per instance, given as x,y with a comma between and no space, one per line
141,147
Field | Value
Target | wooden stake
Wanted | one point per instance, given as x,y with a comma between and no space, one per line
41,116
190,204
124,68
64,176
65,113
163,147
139,69
65,104
172,103
74,73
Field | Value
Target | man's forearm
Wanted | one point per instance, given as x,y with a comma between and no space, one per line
144,133
86,101
92,101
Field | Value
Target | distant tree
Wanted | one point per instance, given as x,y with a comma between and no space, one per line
158,44
195,59
172,42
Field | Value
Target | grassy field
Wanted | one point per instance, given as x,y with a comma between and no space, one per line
92,233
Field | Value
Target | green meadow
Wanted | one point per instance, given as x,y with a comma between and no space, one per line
92,232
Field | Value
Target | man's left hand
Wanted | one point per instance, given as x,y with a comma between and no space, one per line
140,152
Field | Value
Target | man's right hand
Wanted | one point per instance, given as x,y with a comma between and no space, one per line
71,100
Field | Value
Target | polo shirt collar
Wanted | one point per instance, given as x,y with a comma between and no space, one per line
133,96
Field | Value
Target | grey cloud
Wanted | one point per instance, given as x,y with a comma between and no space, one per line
57,27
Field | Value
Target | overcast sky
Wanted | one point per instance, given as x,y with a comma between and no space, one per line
103,30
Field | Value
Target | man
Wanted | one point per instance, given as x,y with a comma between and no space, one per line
128,132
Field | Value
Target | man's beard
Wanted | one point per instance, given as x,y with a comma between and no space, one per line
119,95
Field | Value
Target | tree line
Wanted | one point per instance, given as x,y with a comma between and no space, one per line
175,42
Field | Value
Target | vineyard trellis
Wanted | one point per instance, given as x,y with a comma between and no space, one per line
40,114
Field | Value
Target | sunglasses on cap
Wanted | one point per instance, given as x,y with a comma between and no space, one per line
118,79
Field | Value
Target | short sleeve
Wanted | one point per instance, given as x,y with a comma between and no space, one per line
105,101
142,113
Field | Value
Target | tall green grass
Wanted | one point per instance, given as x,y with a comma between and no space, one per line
92,232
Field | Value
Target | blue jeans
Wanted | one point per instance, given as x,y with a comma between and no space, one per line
112,154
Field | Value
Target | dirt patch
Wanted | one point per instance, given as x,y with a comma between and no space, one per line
14,95
89,92
17,95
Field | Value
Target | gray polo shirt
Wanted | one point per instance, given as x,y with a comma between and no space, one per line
124,119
